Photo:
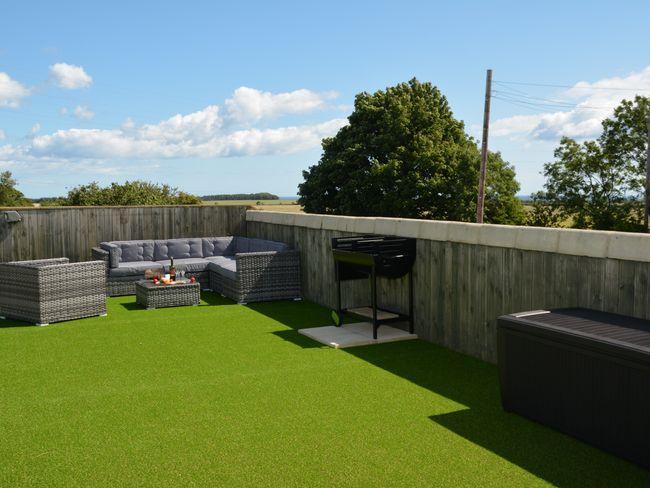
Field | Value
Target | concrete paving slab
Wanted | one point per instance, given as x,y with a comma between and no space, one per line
352,335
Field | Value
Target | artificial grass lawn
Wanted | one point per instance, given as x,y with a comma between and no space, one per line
231,395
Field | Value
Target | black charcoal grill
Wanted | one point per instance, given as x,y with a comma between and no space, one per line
367,257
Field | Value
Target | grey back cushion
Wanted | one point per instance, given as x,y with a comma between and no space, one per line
241,244
247,244
218,246
128,251
178,249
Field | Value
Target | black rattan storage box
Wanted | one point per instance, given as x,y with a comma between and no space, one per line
583,372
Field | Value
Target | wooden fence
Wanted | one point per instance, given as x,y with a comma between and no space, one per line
460,288
71,231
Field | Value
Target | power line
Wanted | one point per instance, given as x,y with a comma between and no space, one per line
507,93
530,97
550,103
518,104
544,106
532,100
554,85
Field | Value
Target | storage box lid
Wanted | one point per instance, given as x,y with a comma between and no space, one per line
604,327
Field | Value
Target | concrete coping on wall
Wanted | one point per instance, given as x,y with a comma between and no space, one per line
598,244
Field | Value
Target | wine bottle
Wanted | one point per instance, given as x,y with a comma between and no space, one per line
172,270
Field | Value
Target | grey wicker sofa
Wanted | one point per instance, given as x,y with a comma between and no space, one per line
52,290
241,268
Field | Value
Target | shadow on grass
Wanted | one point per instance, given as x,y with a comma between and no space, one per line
558,459
298,339
548,454
208,298
211,298
9,323
295,315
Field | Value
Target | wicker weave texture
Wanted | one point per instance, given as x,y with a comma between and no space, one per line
126,286
261,276
117,288
52,290
159,296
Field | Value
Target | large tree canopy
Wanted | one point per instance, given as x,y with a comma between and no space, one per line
599,184
403,154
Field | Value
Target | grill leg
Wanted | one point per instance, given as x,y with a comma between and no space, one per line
373,293
339,311
411,324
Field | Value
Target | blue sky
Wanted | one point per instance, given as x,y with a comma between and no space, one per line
229,97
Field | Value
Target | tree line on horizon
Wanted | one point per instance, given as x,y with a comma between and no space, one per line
116,194
120,194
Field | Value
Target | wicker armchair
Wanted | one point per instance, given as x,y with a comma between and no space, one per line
52,290
261,276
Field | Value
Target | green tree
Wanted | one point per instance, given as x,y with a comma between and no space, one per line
599,184
403,154
9,195
129,193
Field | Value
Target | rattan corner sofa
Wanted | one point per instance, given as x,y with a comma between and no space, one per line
52,290
240,268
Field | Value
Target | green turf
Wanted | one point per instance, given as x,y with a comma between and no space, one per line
224,394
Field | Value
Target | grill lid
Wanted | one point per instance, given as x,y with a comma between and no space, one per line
389,256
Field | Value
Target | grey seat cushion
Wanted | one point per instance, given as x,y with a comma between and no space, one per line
218,246
133,268
224,265
191,265
178,249
247,244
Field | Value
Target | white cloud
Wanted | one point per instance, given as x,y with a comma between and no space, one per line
83,112
3,135
11,91
249,105
128,124
35,128
69,76
594,103
201,134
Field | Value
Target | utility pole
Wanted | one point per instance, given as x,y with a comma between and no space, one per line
646,208
484,148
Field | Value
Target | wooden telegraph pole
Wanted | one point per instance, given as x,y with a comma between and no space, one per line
484,148
646,208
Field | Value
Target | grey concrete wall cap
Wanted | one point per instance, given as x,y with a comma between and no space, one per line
598,244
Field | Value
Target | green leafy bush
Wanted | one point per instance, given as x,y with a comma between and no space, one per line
9,195
128,193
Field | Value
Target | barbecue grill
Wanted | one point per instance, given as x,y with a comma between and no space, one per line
367,257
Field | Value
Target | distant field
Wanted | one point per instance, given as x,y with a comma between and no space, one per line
249,202
274,205
279,208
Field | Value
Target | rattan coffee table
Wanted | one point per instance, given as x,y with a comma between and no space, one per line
176,295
